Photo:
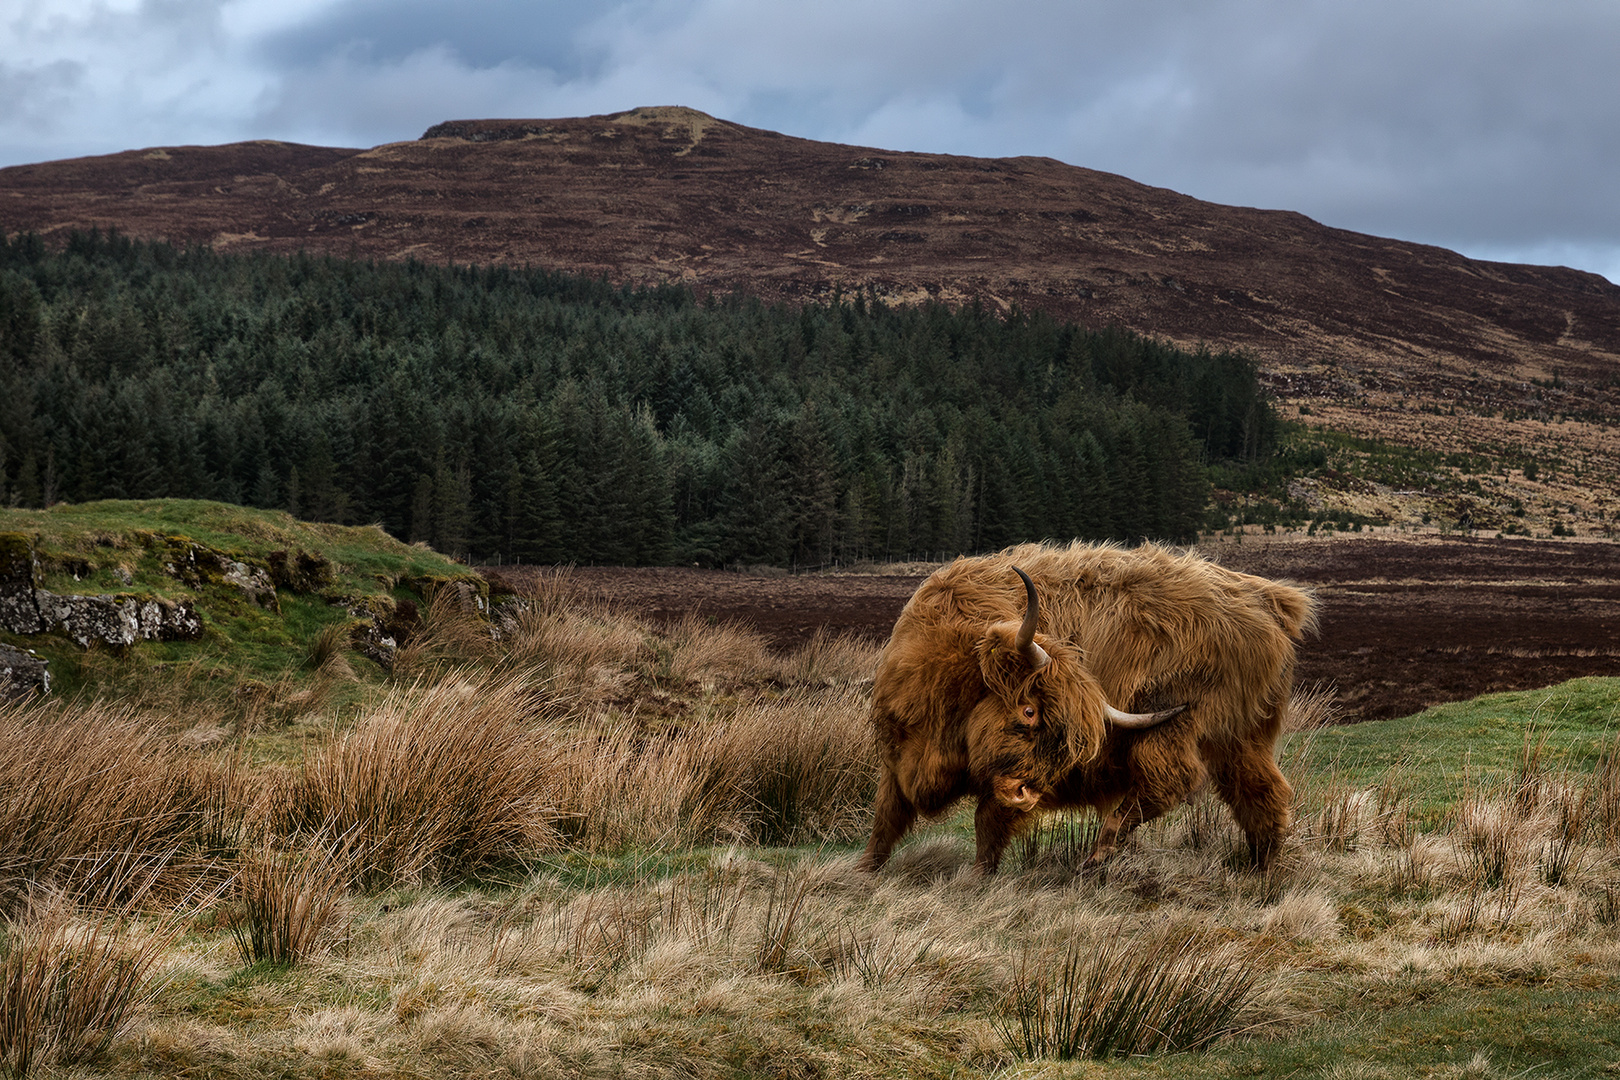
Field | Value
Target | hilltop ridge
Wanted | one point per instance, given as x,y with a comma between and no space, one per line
1365,335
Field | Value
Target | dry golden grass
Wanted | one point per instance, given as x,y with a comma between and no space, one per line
554,628
93,800
1125,996
72,982
329,652
792,769
569,850
436,781
696,650
742,964
451,630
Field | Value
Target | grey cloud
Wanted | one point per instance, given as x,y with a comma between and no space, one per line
531,33
399,100
1494,120
1457,123
35,96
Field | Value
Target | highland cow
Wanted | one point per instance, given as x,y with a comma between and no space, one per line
1003,673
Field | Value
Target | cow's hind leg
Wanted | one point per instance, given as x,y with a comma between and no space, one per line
892,815
1165,774
1138,808
1260,797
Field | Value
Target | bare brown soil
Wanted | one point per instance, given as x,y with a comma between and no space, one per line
1407,622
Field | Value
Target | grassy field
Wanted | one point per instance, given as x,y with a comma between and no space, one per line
583,846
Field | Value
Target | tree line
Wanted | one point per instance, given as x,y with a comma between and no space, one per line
522,414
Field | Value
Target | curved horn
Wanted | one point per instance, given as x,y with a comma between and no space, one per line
1141,720
1025,642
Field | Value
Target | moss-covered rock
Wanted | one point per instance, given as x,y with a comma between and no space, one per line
19,612
22,673
201,566
466,588
302,571
382,626
111,619
118,619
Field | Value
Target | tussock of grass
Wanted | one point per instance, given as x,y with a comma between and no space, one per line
696,650
91,800
553,628
453,631
829,659
329,652
792,770
68,986
1121,996
287,904
1310,708
437,781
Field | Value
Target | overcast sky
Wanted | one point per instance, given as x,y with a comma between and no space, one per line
1487,126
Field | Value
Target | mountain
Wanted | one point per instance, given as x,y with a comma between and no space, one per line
1365,335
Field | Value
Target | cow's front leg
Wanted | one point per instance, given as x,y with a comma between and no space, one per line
994,826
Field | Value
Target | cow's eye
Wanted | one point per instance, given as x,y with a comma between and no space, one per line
1029,714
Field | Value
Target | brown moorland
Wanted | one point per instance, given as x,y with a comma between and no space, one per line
1408,621
1360,334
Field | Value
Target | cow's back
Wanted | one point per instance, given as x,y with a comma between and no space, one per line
1157,627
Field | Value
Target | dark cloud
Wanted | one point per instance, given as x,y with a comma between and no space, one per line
533,33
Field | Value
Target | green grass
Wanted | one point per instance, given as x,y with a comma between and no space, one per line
97,530
1426,1028
1431,756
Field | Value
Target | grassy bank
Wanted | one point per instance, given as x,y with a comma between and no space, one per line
264,584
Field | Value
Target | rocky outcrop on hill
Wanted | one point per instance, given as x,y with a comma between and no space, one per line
19,607
109,619
220,581
115,619
197,565
382,624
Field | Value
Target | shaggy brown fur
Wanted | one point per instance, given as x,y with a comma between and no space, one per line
957,711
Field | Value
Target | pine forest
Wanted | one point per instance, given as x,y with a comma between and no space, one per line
523,415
